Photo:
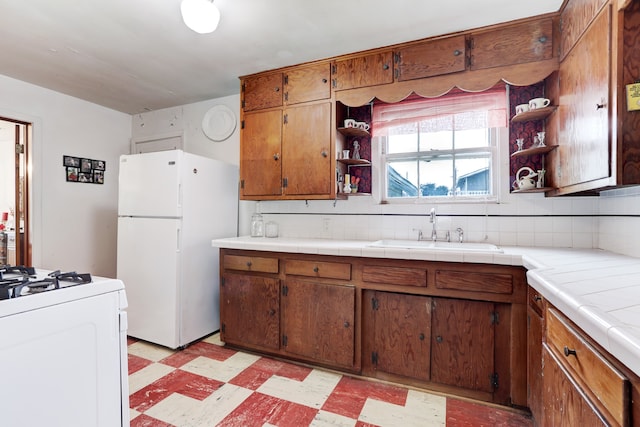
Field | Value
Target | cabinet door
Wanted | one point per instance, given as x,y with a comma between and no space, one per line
260,153
304,84
401,333
306,150
516,44
250,311
318,321
565,404
368,70
534,363
462,352
431,58
585,148
264,91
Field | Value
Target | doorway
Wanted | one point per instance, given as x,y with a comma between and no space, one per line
15,190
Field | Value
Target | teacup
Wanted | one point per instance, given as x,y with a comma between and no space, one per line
522,108
539,103
363,125
350,123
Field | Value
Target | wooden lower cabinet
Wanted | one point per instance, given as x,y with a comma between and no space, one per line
250,311
318,321
398,334
564,401
534,363
463,344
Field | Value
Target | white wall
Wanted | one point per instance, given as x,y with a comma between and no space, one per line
186,120
73,224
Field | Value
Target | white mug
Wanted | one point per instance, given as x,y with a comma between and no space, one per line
345,154
522,108
363,125
350,123
539,103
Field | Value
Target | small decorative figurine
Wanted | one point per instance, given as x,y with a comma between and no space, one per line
356,150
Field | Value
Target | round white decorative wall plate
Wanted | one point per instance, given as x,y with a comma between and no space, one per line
219,123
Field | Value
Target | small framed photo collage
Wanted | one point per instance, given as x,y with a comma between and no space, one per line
79,169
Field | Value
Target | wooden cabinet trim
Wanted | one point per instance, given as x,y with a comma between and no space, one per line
476,282
397,276
327,270
251,263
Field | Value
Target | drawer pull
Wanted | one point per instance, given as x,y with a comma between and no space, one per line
346,324
248,264
316,269
457,52
537,298
569,352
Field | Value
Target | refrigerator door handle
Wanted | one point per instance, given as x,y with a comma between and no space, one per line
177,240
179,195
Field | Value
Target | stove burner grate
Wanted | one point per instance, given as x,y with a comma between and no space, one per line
27,284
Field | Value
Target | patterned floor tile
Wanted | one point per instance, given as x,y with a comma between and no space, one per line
147,375
350,395
178,381
259,409
211,351
149,351
312,392
136,363
469,414
264,368
420,409
220,370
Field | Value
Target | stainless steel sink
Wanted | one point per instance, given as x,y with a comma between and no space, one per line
437,246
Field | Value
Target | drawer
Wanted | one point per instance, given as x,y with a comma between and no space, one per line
250,263
327,270
400,276
535,300
600,377
494,283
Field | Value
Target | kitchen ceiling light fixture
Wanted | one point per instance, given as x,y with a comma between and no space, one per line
202,16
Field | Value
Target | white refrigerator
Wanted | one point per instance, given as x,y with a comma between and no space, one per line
171,204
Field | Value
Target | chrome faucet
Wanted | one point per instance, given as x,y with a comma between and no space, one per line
433,219
460,234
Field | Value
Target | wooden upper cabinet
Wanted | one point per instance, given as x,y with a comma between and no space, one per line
575,18
306,150
515,44
584,94
260,154
303,84
431,58
361,71
263,91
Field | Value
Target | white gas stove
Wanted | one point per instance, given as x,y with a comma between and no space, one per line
63,347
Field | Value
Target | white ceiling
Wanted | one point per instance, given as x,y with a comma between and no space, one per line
137,55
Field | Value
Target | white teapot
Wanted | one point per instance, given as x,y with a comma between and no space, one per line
526,182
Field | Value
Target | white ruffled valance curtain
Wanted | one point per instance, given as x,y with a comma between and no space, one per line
459,111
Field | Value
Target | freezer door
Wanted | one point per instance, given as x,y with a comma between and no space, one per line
148,264
149,184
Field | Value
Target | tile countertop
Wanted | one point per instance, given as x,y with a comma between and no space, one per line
598,290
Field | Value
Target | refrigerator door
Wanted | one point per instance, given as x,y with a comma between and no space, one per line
149,184
149,265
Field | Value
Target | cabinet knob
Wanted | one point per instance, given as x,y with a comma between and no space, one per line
439,339
347,324
457,52
542,39
324,80
248,264
277,89
324,153
316,269
276,156
385,67
272,312
421,337
600,106
537,298
569,352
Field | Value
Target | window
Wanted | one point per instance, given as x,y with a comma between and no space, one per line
442,147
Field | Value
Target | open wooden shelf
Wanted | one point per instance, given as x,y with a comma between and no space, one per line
535,150
537,114
354,132
356,162
534,190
